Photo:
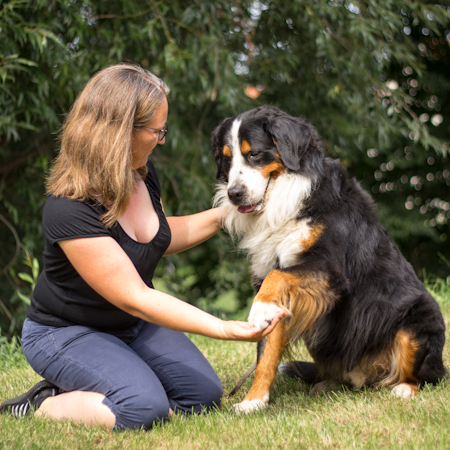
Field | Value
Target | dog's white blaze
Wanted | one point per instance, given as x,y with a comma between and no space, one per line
240,173
234,134
261,314
237,159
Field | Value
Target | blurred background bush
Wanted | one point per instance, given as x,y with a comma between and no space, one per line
372,76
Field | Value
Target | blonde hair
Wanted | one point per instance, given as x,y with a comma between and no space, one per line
95,158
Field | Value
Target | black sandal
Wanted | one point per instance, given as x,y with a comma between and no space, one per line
31,400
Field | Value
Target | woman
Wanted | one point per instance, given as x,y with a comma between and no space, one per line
110,347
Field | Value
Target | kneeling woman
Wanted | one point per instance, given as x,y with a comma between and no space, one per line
110,347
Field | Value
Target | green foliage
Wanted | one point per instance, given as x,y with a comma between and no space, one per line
31,279
372,76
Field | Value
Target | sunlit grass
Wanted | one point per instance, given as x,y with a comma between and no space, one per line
345,420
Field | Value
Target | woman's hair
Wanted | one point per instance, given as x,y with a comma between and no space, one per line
95,158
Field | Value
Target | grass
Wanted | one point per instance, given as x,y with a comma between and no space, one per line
345,420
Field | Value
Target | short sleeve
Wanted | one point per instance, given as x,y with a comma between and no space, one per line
64,219
152,179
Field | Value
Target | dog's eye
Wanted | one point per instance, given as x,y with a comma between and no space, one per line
254,155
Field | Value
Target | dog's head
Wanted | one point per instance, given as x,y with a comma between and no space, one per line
253,149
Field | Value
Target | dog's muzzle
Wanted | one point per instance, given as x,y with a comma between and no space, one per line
237,194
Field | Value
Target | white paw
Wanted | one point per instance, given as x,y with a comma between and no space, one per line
403,390
262,314
248,406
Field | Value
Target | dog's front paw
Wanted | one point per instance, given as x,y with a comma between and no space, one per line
248,406
262,314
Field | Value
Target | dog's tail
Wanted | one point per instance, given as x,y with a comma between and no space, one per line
304,371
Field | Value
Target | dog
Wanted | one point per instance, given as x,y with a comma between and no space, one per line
317,249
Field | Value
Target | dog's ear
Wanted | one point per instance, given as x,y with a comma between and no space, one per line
217,141
216,150
297,142
292,137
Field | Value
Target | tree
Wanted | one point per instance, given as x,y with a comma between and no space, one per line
348,67
373,78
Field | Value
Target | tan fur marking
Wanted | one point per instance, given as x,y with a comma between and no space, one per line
267,366
402,360
273,169
314,235
245,147
307,297
393,366
226,151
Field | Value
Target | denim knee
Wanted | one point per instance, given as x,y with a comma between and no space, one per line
208,398
142,411
213,394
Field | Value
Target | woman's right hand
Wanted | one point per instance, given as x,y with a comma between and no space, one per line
242,331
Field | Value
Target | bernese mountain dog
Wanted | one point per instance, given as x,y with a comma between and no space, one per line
317,249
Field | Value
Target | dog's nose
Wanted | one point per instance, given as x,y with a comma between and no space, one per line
236,194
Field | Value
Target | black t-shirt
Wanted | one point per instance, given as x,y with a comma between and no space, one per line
61,297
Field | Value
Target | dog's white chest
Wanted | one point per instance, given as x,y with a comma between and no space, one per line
279,247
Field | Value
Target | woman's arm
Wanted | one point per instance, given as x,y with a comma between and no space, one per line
189,231
104,265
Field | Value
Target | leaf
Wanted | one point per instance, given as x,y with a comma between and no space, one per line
23,297
26,277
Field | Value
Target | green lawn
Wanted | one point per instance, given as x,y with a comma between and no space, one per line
345,420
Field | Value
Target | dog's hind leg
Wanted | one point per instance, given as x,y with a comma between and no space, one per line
402,361
415,361
266,370
393,367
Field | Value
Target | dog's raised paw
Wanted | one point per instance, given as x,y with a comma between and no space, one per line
262,314
248,406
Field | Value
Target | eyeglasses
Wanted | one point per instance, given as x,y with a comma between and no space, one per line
161,133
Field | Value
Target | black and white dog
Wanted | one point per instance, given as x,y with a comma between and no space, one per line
317,249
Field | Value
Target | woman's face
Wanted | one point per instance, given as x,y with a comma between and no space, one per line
145,140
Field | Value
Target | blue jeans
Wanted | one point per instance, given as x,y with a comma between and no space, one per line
142,371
